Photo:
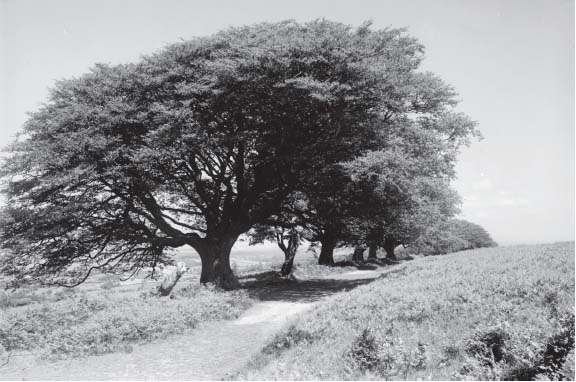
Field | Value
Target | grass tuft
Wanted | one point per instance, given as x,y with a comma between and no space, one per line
288,339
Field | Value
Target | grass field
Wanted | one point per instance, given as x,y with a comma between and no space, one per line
487,314
81,324
106,315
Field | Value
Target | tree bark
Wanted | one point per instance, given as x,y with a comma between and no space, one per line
372,251
327,251
389,246
289,254
207,261
215,257
288,265
358,255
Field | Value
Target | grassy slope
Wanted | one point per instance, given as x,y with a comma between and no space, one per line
422,318
88,324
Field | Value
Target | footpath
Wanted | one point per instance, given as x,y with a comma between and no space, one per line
209,352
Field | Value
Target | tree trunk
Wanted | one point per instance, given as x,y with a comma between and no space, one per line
216,268
372,250
207,272
288,265
389,246
358,255
327,251
166,287
224,277
289,254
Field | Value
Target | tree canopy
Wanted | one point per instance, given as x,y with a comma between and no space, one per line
452,236
197,143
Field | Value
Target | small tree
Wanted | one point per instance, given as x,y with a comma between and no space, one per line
285,229
287,239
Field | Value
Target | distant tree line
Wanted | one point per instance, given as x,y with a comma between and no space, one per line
452,236
286,131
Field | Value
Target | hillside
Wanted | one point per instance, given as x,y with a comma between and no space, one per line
497,313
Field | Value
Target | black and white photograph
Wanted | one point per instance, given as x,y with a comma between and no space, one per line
304,190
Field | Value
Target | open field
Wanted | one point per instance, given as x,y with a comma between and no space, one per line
499,313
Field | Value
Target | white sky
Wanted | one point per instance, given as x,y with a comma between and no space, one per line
511,61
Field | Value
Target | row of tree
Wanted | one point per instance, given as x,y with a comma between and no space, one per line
452,236
318,131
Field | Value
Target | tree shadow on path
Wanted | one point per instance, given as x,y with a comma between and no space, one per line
269,286
302,290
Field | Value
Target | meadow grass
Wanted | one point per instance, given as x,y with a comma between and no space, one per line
487,314
87,324
107,315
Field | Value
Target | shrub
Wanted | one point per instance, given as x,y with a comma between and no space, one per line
489,346
293,336
451,352
567,370
558,347
365,351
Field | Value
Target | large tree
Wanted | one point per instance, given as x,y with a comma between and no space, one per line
197,143
285,228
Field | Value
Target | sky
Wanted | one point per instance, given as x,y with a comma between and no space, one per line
512,63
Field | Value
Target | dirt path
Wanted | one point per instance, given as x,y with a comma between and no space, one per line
209,352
